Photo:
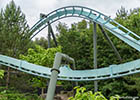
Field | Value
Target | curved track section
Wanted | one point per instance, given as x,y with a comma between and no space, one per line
111,25
113,71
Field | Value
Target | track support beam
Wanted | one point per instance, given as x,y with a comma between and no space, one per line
52,33
95,53
55,71
110,43
49,36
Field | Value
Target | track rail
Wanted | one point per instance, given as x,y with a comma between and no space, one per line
113,71
111,25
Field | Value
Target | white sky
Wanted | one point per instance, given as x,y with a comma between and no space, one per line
33,8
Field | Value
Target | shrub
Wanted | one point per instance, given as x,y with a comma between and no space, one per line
82,94
1,73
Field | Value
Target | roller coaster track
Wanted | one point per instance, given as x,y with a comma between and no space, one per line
66,73
111,25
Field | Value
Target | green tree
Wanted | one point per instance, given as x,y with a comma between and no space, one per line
42,42
41,56
77,42
122,13
128,85
133,23
13,29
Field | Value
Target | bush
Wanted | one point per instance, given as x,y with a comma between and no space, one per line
81,94
1,73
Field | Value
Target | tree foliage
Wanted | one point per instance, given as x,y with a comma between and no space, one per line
1,74
40,56
13,28
76,42
42,42
82,94
122,13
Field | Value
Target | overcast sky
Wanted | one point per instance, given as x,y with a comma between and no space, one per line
33,8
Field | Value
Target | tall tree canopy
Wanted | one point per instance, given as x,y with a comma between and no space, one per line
13,29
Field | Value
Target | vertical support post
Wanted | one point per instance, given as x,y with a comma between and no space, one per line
95,53
74,83
54,75
55,71
49,36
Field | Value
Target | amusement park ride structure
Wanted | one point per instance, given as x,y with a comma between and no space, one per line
63,72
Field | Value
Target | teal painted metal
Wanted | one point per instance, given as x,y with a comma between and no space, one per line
111,25
54,75
55,72
66,73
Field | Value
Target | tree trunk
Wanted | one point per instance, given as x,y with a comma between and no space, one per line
42,93
8,78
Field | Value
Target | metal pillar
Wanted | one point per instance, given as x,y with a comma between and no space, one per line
52,33
110,43
55,71
49,37
53,79
95,54
74,83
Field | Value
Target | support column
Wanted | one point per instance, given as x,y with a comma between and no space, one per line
53,79
74,83
52,33
95,53
49,36
55,71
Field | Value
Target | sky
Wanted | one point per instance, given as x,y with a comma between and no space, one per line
33,8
